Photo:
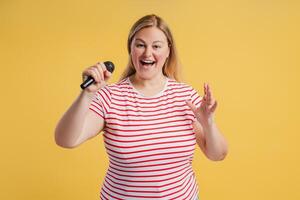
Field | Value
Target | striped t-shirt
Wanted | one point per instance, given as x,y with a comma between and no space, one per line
150,142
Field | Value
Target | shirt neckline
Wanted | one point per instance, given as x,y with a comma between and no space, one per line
152,96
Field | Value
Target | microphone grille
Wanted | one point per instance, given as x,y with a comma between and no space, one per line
109,66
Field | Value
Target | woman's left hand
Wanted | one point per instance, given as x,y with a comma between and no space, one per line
205,112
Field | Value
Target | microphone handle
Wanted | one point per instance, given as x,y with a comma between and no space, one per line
87,82
90,80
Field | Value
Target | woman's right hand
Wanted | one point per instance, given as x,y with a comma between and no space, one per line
99,73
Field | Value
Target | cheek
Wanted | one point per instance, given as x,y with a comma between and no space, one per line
161,57
135,54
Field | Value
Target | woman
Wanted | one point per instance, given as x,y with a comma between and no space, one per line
151,122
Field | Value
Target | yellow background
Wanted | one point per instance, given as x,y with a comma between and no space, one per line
248,51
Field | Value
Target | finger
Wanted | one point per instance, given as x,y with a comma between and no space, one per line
92,73
84,76
205,91
95,70
100,69
213,107
202,100
103,67
192,106
107,74
209,95
204,95
104,71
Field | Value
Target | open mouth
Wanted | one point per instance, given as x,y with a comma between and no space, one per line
147,62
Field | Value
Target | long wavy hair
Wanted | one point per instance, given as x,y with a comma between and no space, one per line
172,64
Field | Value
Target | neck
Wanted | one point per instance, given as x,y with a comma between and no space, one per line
139,82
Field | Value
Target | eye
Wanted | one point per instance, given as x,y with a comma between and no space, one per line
139,45
156,46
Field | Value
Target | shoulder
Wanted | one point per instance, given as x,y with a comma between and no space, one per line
173,84
184,89
116,88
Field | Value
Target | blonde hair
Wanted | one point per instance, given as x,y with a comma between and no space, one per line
172,64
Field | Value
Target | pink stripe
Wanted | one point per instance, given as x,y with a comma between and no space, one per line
153,115
104,101
103,197
147,129
186,189
147,120
145,191
125,103
143,145
128,98
117,124
157,154
140,196
147,111
142,186
146,180
126,166
143,171
151,160
146,139
100,114
187,185
108,193
145,134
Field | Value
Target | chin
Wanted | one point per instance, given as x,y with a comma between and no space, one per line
148,74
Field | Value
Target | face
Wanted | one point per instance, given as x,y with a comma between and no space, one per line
149,51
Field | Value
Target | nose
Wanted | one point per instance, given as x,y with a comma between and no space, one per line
148,51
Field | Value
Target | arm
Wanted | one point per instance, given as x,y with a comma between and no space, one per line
79,123
211,141
209,138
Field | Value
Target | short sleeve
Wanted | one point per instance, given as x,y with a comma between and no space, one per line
101,102
195,98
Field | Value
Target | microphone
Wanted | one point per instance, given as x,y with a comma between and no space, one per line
109,66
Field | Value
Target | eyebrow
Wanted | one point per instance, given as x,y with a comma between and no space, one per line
153,41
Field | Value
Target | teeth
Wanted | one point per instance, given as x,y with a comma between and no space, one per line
148,61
